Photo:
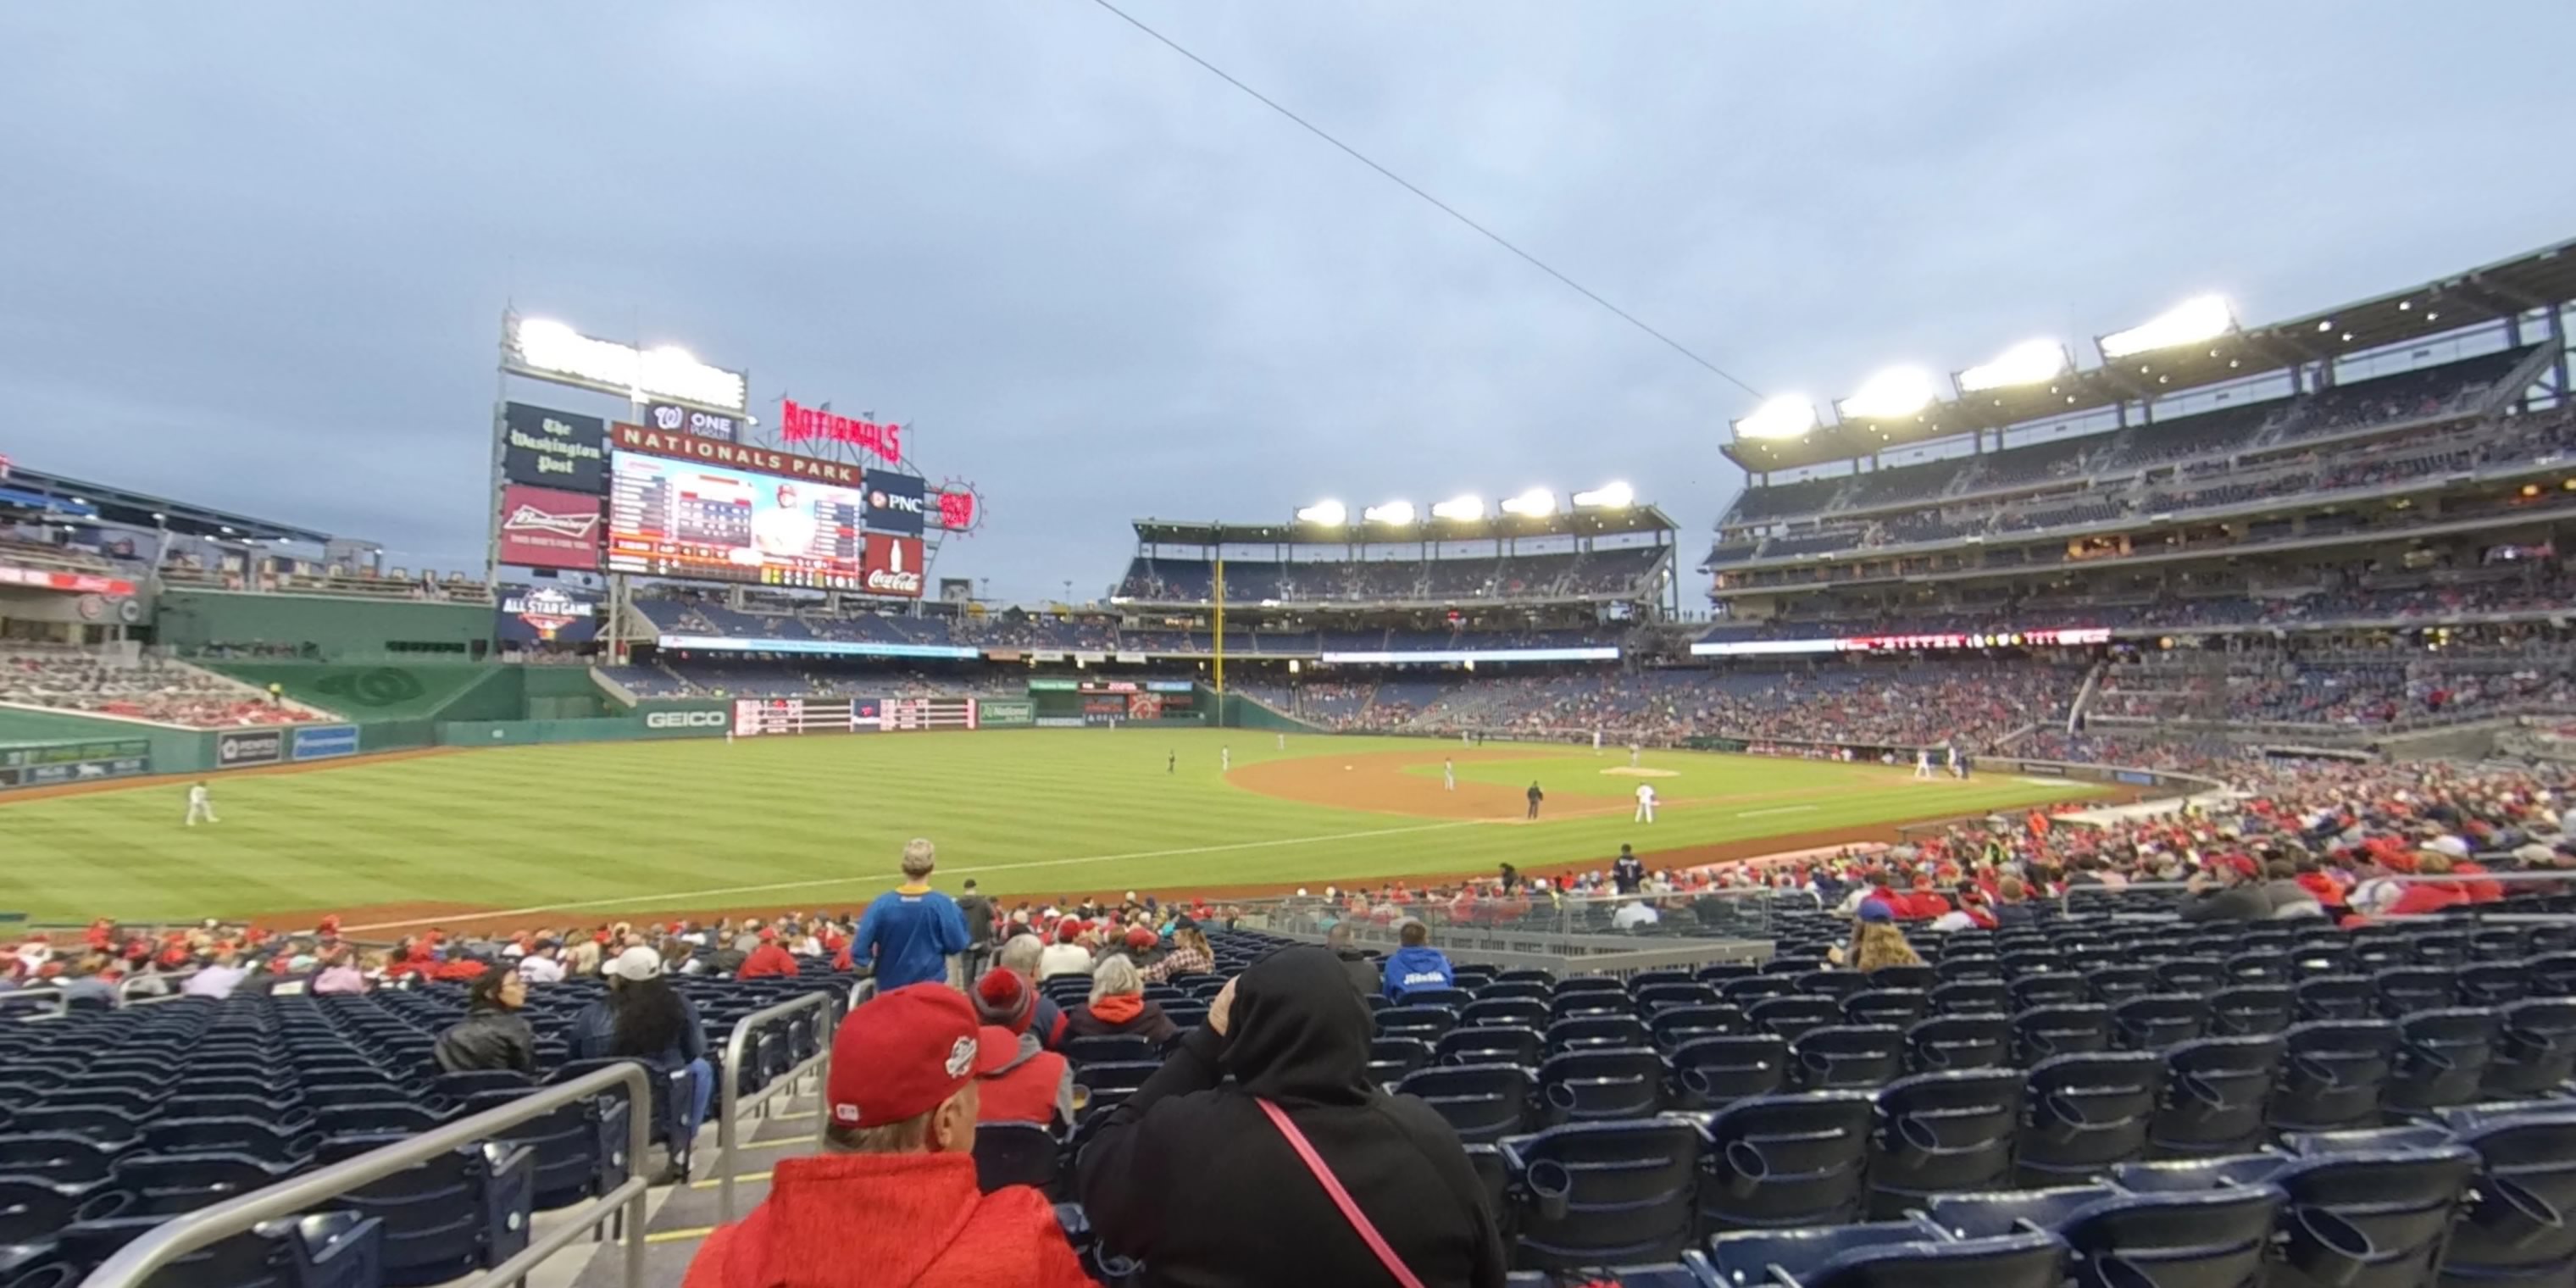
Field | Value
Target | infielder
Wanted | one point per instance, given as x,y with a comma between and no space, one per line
1224,759
1645,803
1634,751
1923,762
1448,776
200,804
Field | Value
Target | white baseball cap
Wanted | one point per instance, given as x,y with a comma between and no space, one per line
637,963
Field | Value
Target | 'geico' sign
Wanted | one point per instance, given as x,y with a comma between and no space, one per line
684,720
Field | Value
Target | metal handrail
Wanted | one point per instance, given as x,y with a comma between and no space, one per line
730,1102
127,988
62,1001
136,1262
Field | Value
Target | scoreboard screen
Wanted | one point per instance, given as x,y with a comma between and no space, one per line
670,518
755,716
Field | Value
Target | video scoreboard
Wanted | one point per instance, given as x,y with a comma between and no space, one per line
755,716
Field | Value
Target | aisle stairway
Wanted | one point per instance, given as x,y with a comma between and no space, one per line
679,1217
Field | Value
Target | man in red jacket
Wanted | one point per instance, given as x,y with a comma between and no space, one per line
892,1202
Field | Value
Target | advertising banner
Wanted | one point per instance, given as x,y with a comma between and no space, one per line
712,721
323,742
548,614
52,763
241,749
542,528
893,565
553,448
895,503
1006,713
716,451
677,419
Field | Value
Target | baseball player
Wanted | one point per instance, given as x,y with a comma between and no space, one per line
1645,803
1955,771
1171,762
1596,742
1448,776
1634,751
1283,742
200,804
1224,759
1923,762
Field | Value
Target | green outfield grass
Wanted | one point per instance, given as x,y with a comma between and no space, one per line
818,821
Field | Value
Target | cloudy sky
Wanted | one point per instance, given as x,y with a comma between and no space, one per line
255,254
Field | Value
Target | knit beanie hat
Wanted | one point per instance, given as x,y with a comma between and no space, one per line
1003,1000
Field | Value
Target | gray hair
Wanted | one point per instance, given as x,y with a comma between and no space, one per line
1020,954
918,857
1114,976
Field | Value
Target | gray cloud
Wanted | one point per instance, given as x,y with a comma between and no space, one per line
257,253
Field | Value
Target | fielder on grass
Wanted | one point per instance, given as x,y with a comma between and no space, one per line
1645,803
200,804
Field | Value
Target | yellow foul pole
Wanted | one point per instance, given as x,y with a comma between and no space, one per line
1218,586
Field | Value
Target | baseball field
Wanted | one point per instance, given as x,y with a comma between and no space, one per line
591,832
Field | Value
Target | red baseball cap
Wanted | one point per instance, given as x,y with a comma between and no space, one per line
900,1054
1142,938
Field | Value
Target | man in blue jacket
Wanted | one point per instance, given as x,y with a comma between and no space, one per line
1417,964
909,932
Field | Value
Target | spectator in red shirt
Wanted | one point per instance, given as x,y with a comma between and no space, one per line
2421,897
892,1201
768,960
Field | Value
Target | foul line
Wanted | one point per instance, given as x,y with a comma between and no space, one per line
1785,809
714,892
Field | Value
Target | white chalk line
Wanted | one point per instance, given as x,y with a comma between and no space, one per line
1785,809
686,896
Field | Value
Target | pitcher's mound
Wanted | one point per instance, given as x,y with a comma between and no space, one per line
1624,771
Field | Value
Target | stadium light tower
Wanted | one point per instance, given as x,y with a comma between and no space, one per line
1893,394
1324,514
1398,513
1537,503
2202,317
1460,509
2030,362
1787,416
1609,496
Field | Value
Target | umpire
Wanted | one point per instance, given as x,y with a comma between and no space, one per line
1535,796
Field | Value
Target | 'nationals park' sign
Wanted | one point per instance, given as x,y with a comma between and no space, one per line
716,451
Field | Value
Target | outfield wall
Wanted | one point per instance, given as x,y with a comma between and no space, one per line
41,748
329,626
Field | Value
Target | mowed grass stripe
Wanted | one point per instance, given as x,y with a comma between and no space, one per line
538,826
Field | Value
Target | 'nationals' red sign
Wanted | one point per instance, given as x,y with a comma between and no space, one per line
804,423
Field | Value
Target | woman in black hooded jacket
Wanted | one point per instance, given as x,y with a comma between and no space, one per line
1191,1177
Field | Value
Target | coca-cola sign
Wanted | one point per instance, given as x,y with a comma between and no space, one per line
891,565
543,528
799,424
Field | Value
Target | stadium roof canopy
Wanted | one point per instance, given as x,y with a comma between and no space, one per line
2481,295
144,510
1563,523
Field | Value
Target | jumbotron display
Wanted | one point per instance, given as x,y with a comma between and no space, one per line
753,716
672,518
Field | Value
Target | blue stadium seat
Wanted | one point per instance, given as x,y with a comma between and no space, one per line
2332,1073
2192,976
2216,1091
2029,991
167,1184
1750,990
1514,1012
580,1149
2008,1261
1453,998
2248,1010
1835,984
1779,1161
1791,1016
2334,997
2112,985
33,1208
1108,1085
2402,990
1390,1058
62,1157
2210,1239
1653,999
248,1136
1109,1048
1602,1082
1847,1056
2493,983
329,1250
1895,1006
1424,1022
1916,977
2045,1031
1589,1194
2087,1114
1713,1072
1676,1025
1959,1042
1690,1272
1016,1154
2159,1020
469,1208
1490,1044
1942,1133
1777,1257
1484,1102
2521,1224
2535,1048
1971,997
1582,1031
2442,1058
2372,1218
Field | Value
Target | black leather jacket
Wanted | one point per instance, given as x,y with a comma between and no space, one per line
491,1038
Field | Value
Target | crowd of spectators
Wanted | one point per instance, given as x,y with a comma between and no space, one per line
1618,570
2333,693
140,688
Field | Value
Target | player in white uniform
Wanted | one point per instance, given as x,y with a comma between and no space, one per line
1224,759
1448,776
1596,742
1645,803
200,805
1283,742
1923,762
1634,751
1954,760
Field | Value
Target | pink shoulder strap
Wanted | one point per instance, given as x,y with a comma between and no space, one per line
1341,1197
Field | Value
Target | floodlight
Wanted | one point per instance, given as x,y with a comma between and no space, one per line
1537,503
1609,496
1328,514
1786,416
2030,362
546,345
1460,509
2200,318
1395,512
1893,394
